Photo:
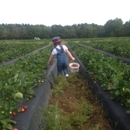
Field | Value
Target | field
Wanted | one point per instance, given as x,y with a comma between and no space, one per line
20,77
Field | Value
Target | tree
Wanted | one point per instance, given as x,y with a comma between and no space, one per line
24,33
114,27
127,28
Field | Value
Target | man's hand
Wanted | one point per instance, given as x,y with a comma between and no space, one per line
47,65
73,58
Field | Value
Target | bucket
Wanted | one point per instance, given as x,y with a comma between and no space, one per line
74,67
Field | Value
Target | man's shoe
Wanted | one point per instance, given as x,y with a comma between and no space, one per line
67,75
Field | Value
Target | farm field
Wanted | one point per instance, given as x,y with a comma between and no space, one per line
11,49
115,46
21,77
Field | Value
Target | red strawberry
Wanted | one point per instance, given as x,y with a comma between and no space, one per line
14,113
22,110
15,129
25,107
74,65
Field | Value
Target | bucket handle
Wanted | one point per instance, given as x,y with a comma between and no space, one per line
71,61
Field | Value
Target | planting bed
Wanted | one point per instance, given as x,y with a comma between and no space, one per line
117,113
11,49
30,119
18,82
125,60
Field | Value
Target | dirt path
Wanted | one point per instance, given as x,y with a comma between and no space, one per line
77,108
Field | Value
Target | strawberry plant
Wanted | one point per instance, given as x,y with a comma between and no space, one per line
18,81
115,46
13,49
111,74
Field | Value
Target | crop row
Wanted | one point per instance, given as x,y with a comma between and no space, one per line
115,46
17,82
112,75
10,50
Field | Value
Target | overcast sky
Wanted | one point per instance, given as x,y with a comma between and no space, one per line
63,12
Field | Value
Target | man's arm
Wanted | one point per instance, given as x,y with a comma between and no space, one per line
50,59
70,55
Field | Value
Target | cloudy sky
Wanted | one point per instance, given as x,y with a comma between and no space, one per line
63,12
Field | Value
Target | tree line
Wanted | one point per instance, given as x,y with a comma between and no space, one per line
112,28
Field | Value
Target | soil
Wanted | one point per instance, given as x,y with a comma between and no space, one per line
71,97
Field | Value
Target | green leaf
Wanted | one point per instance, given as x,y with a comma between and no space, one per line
15,77
12,121
4,122
115,80
128,101
18,95
8,126
6,105
1,85
128,90
128,111
117,92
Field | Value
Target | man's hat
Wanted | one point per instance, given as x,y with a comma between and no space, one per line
56,39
